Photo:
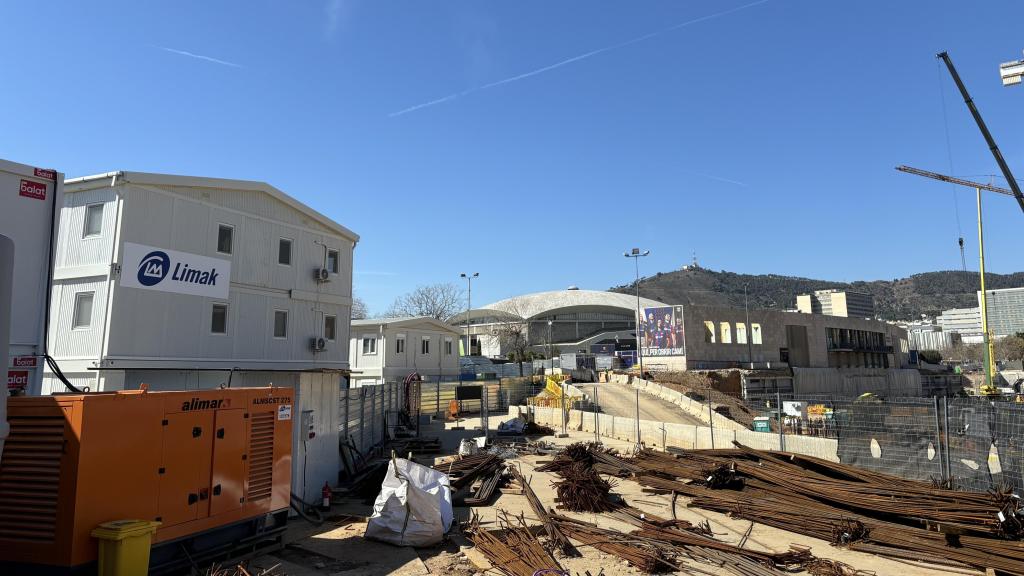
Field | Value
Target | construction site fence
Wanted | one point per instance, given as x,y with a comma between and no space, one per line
435,397
970,443
366,413
974,442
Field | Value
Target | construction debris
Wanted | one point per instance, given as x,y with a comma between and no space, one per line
403,446
848,506
485,490
515,551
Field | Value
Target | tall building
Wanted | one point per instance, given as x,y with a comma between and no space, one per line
929,335
1005,311
963,321
837,303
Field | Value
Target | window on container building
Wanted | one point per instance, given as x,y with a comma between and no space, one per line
93,221
225,238
400,344
709,332
284,252
219,319
369,345
83,310
755,333
447,346
280,324
726,333
425,345
332,261
331,327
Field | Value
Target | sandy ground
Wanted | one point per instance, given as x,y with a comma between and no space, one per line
337,547
620,400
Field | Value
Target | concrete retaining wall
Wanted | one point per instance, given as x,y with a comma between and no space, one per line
692,407
662,434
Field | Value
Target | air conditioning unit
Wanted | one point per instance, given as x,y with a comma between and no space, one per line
322,275
317,344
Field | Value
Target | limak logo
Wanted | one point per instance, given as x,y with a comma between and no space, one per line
154,267
166,270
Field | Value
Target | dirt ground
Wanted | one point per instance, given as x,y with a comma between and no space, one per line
337,547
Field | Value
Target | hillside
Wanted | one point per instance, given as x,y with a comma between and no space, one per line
898,299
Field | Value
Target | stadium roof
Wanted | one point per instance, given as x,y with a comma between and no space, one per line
530,306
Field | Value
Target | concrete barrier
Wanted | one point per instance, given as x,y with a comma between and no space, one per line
665,434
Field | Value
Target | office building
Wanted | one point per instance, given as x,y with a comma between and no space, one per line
1005,311
837,303
389,349
963,321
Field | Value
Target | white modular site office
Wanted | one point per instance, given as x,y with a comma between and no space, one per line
181,282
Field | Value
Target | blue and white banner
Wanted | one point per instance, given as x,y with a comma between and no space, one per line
151,268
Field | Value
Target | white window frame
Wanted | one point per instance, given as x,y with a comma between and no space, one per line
337,260
447,346
369,345
335,319
425,345
85,223
741,333
291,253
274,327
74,310
231,228
400,344
213,307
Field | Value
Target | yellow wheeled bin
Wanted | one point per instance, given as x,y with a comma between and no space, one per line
124,546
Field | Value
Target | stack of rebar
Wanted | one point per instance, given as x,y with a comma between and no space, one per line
603,460
515,551
850,507
582,489
461,472
555,536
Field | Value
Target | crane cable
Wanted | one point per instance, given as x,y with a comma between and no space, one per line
949,156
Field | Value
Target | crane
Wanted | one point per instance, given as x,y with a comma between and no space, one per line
1003,167
988,389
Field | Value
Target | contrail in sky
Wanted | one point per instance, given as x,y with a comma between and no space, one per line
577,58
201,57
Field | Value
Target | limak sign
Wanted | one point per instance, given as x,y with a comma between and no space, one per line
152,268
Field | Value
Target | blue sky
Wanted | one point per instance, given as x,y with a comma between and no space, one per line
762,136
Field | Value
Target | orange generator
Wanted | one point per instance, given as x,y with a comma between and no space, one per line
212,466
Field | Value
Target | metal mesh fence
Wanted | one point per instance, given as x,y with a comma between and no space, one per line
366,413
972,443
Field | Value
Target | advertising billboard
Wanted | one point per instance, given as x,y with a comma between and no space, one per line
661,331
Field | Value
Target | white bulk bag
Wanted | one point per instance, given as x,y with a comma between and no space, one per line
414,507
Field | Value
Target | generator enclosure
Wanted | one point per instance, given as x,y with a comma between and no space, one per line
30,202
195,461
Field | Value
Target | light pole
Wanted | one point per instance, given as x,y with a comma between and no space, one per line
747,331
551,352
636,254
469,307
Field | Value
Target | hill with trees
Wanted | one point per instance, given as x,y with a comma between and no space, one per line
897,299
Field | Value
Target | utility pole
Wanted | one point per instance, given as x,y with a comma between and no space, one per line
746,312
636,254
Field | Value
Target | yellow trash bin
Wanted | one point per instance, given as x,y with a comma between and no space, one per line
124,546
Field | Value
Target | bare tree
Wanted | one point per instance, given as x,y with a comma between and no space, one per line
440,301
512,332
1010,348
359,309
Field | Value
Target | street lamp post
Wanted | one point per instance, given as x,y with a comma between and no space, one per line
469,307
636,254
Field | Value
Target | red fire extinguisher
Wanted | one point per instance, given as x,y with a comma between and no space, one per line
326,494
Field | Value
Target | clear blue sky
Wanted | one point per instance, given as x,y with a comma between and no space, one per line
561,133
